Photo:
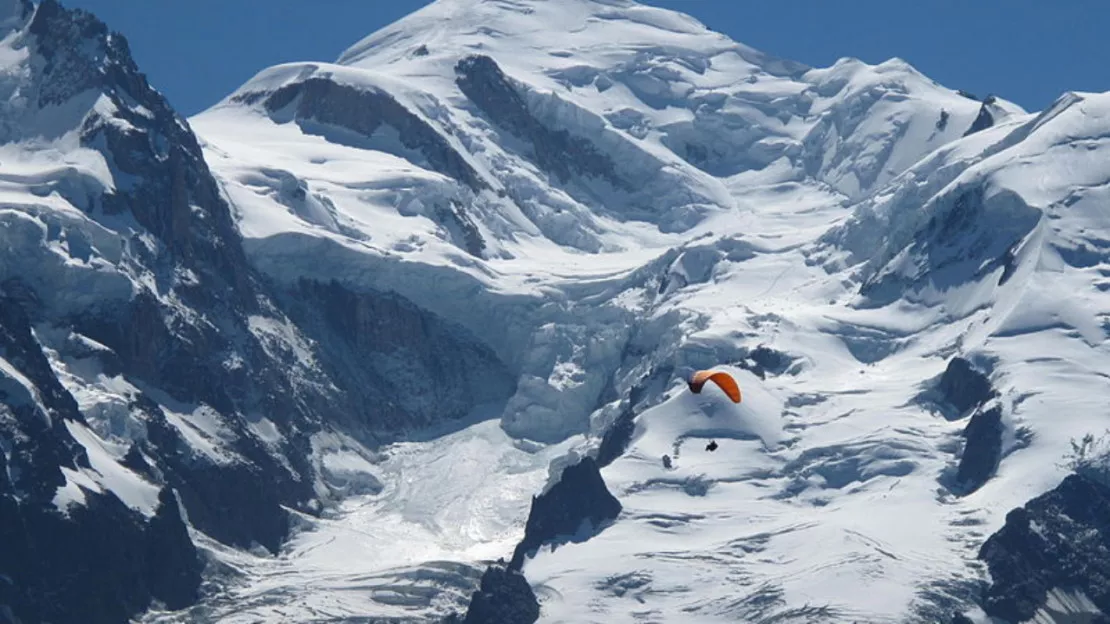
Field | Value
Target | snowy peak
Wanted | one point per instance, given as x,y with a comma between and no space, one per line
582,26
80,121
597,127
60,66
875,121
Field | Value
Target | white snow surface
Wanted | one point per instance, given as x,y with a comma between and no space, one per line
133,490
768,195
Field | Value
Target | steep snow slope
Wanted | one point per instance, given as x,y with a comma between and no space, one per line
608,195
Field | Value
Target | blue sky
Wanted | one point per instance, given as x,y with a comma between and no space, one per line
1028,51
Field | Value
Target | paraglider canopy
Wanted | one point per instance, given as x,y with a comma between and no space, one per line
721,378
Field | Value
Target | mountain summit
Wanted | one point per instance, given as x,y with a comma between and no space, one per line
621,110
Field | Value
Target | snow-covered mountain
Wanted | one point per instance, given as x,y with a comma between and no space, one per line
371,308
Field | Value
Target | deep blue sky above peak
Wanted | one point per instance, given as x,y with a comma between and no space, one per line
1027,51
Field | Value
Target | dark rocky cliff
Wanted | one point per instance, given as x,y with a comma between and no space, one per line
105,559
504,597
1059,541
579,500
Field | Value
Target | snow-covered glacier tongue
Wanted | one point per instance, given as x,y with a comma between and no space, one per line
384,321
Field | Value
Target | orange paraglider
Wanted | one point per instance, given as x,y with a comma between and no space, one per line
721,378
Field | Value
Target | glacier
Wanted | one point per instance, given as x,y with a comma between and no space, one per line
489,241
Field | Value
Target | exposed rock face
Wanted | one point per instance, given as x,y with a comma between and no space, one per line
984,120
763,360
33,413
616,438
1059,541
237,503
982,450
579,500
186,326
579,497
182,335
964,387
94,558
172,565
104,558
460,227
164,171
503,598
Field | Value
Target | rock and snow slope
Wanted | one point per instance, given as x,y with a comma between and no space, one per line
153,387
497,230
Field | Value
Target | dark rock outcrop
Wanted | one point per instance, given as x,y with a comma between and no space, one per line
763,360
942,121
616,438
556,151
984,120
578,499
964,387
1059,540
503,598
19,346
618,435
166,184
33,435
84,566
982,450
172,565
461,228
238,503
97,562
